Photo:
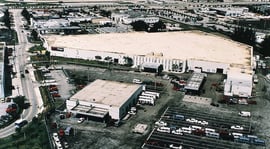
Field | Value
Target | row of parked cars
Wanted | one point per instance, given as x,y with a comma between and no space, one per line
58,143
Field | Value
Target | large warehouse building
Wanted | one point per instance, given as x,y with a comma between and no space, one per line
175,51
103,99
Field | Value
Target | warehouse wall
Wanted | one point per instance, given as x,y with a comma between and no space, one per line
131,101
207,66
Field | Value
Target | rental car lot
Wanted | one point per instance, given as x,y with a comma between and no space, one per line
223,130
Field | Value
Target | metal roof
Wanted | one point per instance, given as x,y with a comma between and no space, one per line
195,81
173,45
106,92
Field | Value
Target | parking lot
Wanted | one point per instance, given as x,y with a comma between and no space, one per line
220,118
220,122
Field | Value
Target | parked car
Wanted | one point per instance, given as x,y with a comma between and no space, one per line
177,131
175,146
192,120
237,127
136,81
81,120
131,112
65,145
160,123
244,114
55,136
164,129
203,122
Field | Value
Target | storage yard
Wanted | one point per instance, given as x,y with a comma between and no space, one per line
197,117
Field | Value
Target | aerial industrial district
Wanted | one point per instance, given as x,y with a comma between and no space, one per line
135,74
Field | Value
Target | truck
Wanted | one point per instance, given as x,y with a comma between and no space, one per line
146,101
153,93
148,95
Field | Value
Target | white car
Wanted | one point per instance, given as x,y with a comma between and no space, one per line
244,114
81,120
160,123
131,112
55,136
237,127
203,122
164,129
65,144
175,147
136,81
177,131
192,120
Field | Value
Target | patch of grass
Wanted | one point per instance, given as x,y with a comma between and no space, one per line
34,135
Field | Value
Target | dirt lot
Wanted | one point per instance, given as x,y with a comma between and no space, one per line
93,135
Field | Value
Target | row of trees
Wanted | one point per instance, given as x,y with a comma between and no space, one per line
25,13
248,36
6,19
143,26
244,35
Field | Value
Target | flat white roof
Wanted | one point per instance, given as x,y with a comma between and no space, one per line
173,45
106,92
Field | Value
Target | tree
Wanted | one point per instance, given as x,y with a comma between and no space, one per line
6,19
128,61
140,26
26,15
160,69
265,50
34,35
158,26
105,13
244,35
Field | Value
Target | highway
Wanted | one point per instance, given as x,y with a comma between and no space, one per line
25,85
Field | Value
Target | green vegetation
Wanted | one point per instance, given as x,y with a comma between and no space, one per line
47,100
244,35
265,46
7,19
140,26
36,48
33,136
8,36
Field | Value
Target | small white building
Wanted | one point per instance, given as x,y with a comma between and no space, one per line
231,11
238,84
127,19
104,99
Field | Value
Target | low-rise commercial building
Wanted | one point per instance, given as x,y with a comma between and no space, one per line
103,100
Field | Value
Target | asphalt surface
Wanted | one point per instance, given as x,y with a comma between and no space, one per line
25,85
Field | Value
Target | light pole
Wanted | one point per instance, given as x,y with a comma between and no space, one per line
18,90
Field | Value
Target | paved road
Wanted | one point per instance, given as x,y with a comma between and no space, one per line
25,86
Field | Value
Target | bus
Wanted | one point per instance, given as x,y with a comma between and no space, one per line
20,123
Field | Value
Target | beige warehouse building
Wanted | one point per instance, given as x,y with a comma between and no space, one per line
103,99
176,51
